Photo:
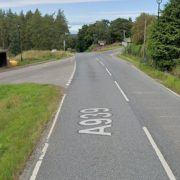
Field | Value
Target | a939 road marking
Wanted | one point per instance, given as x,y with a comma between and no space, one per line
99,117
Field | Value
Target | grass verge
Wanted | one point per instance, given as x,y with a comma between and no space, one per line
170,81
98,48
35,56
25,110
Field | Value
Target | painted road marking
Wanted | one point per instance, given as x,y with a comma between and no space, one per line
108,71
39,162
122,92
159,154
100,62
72,75
44,150
100,116
56,117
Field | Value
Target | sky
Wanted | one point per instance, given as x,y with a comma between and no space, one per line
79,12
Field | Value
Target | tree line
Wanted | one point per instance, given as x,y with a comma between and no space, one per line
34,30
103,30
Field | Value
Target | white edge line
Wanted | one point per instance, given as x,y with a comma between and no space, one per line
44,150
56,117
39,162
159,154
121,91
156,81
152,79
72,75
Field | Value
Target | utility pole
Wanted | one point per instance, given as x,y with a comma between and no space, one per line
64,42
124,35
159,8
144,45
20,43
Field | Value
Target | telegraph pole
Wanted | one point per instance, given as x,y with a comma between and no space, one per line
144,45
20,43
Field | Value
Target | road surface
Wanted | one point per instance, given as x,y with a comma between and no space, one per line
115,123
55,72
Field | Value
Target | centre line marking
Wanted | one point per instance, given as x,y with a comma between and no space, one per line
121,91
108,71
159,154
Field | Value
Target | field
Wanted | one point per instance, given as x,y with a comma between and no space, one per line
98,48
25,110
35,56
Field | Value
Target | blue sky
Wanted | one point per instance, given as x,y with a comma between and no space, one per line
79,12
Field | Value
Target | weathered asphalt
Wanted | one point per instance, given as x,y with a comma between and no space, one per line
127,153
123,150
55,72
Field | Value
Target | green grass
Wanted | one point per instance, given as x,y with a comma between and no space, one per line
35,56
98,48
167,79
25,110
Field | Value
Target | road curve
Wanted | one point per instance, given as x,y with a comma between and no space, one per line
55,72
115,123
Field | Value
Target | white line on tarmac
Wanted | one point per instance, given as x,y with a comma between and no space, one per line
121,91
56,117
159,154
154,80
72,75
108,71
39,162
44,150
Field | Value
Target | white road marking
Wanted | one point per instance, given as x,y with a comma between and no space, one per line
100,115
121,91
44,150
154,80
56,117
108,71
72,75
39,162
159,154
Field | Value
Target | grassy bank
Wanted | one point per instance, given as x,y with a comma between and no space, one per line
169,80
98,48
35,56
24,112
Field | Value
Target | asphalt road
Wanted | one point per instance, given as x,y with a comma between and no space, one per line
116,123
55,72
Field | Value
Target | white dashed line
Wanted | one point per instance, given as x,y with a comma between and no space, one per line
108,71
121,91
160,156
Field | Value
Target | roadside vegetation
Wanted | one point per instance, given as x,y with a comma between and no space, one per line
107,31
25,110
35,56
169,80
109,47
34,31
155,47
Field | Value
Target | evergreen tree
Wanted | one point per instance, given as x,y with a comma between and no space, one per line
164,37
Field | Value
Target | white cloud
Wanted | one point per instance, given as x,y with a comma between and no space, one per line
22,3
